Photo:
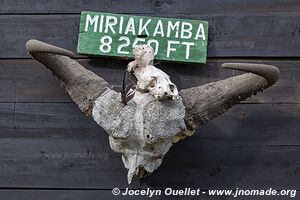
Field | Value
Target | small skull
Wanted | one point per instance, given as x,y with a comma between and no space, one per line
162,87
149,78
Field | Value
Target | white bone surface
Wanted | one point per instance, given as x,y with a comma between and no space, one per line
142,131
150,78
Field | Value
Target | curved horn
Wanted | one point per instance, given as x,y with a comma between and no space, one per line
206,102
82,85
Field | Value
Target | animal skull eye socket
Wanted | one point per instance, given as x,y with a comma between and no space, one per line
153,82
172,87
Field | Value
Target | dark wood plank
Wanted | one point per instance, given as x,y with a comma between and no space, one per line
87,195
253,35
26,80
254,124
78,159
53,115
145,6
226,167
65,158
7,115
55,194
242,125
16,30
46,142
107,194
55,146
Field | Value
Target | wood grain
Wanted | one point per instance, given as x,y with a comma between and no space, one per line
236,35
23,194
242,125
148,7
50,146
65,160
49,150
28,81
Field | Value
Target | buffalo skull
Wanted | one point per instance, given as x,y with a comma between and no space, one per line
144,129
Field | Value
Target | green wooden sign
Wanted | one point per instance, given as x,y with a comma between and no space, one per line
107,34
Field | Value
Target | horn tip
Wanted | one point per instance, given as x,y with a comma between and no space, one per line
270,72
34,45
30,44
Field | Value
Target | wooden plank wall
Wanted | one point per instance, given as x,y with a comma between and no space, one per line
254,145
